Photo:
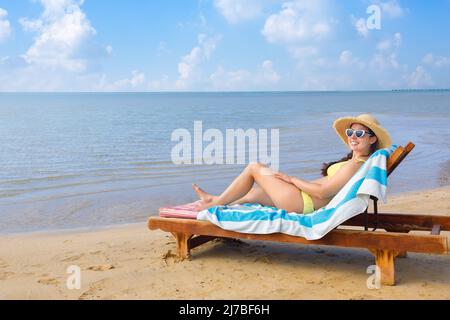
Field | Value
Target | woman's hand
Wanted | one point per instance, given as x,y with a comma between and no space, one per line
283,177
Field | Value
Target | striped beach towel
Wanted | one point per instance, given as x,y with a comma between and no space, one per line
352,199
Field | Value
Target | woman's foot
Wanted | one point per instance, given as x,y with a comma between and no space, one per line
207,200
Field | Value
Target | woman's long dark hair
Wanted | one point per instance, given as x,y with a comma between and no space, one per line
325,166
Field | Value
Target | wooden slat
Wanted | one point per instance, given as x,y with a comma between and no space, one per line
397,157
402,222
409,147
394,159
344,238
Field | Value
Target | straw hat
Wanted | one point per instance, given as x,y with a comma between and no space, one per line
341,124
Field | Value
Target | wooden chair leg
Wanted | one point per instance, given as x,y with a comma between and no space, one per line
183,249
385,260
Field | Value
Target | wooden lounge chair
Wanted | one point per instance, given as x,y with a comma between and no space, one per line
394,241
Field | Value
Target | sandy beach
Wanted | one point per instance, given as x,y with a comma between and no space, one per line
130,262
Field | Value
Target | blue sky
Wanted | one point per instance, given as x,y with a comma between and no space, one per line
223,45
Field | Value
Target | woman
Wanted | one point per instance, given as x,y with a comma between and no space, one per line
362,134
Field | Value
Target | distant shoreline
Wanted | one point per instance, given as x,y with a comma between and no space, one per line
231,92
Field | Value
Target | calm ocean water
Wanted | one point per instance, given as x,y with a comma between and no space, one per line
88,160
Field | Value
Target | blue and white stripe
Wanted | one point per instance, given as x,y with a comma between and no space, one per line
352,199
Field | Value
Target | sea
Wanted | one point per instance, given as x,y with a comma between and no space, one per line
92,160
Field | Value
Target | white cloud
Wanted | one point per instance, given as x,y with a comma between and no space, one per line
63,55
161,85
134,83
230,80
384,45
436,61
64,37
191,76
298,21
317,73
419,78
347,59
31,25
189,68
189,63
313,81
360,26
36,78
386,56
239,10
308,56
347,71
392,9
268,73
265,77
208,45
392,44
53,9
137,79
5,26
109,49
3,13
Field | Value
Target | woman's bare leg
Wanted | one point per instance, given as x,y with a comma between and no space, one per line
256,195
283,195
207,199
236,190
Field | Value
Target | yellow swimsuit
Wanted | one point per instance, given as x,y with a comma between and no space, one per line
308,205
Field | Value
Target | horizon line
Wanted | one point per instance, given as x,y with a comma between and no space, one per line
227,91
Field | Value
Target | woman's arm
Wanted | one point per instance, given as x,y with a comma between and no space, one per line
288,179
328,188
320,180
312,188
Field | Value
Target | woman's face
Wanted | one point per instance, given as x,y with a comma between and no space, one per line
361,145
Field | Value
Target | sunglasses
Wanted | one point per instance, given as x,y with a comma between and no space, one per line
358,133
